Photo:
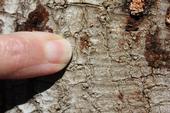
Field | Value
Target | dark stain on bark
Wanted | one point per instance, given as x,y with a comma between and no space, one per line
36,21
133,23
167,17
154,54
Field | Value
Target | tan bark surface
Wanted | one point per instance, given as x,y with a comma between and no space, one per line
119,65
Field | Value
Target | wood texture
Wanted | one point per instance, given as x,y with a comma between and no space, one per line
121,63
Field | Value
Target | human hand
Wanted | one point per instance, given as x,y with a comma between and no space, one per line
32,54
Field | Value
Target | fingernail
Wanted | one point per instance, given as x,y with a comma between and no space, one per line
58,51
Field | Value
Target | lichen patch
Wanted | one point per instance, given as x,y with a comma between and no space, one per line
136,6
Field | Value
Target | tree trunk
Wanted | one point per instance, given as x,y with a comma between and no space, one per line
121,58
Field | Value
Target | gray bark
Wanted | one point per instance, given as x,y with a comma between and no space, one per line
112,70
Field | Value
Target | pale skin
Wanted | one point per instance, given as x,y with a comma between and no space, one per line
32,54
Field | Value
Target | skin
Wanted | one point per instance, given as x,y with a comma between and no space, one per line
32,54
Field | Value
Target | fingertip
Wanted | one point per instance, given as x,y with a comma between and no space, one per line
43,54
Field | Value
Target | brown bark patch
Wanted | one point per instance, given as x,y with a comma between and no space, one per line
84,41
154,54
36,21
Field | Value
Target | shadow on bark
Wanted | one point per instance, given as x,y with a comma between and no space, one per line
17,92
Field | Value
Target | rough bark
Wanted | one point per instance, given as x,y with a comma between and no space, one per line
121,58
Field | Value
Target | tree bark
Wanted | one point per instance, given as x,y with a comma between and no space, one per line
121,58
